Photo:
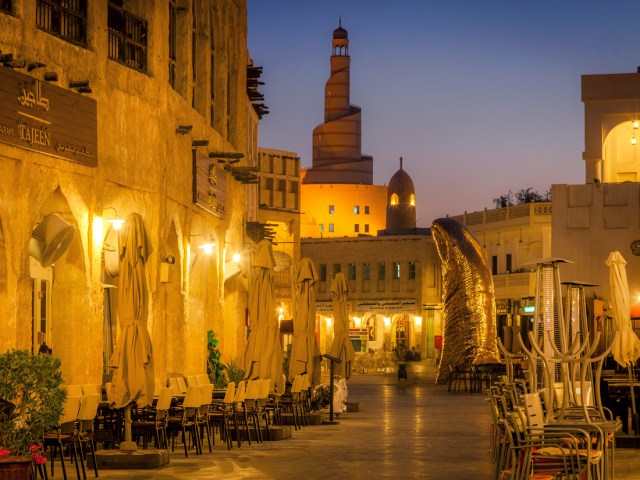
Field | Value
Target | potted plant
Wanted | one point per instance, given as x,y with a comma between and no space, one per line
31,399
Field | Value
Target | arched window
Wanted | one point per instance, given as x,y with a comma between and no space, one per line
394,199
412,200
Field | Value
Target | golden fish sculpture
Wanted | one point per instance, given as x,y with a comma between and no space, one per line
469,325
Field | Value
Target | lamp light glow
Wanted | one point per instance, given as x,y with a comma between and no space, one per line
236,258
387,321
636,123
418,321
634,141
116,223
207,248
357,321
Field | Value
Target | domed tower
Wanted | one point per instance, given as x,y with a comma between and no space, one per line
401,202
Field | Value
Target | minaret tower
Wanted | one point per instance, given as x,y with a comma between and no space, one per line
337,153
336,91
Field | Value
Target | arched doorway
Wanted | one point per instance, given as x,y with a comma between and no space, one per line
62,314
620,153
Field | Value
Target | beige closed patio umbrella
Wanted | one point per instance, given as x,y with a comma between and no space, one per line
132,359
305,352
262,357
341,347
626,346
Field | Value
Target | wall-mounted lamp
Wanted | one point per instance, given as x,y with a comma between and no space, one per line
184,129
387,321
498,244
207,247
236,257
51,76
418,321
170,259
199,143
116,222
357,321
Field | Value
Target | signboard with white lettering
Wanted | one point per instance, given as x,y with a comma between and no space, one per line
209,185
38,116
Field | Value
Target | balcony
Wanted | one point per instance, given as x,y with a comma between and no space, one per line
525,214
515,285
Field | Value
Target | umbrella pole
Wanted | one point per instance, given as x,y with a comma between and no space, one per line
635,421
127,445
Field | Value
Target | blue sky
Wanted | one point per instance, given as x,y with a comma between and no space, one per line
479,97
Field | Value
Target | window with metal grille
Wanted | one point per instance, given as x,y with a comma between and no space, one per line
381,272
396,270
127,38
336,269
411,271
172,43
323,272
366,271
63,18
5,6
352,271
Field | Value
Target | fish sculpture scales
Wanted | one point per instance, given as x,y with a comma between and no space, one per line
469,326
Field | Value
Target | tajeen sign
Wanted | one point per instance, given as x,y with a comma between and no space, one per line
42,117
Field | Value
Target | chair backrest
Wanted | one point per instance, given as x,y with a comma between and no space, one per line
157,388
588,395
206,394
91,388
252,390
173,384
306,382
203,379
191,380
534,411
297,384
265,387
230,394
89,406
240,392
70,410
74,390
164,398
192,397
182,385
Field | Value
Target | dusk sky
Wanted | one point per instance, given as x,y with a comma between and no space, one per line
479,97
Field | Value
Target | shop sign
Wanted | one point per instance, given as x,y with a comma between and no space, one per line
42,117
405,305
209,185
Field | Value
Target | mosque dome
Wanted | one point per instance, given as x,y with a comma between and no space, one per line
401,202
340,33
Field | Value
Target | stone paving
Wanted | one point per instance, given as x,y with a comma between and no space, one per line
404,429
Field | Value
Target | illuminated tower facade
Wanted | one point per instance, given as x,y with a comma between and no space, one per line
337,154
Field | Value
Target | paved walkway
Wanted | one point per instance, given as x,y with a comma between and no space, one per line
405,429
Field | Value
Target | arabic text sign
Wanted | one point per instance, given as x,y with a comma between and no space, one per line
39,116
209,185
404,305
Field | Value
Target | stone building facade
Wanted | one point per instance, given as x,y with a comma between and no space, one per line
116,107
